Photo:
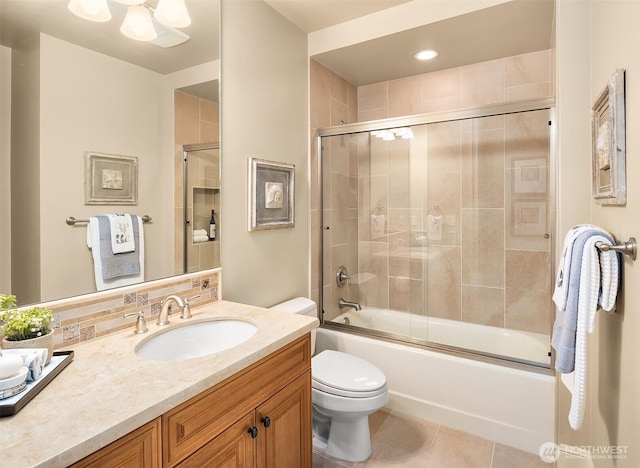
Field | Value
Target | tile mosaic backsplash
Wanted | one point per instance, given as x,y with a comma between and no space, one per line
84,318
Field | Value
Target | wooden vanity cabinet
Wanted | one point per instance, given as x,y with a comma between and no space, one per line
274,435
139,448
260,416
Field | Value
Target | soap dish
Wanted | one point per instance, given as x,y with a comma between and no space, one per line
9,392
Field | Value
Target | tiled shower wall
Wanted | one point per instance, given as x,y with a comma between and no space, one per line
196,121
500,278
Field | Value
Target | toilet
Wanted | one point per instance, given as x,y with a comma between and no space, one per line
345,391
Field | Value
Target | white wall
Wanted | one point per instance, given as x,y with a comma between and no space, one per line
5,169
92,102
595,38
264,81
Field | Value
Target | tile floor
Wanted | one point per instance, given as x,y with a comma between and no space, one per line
400,440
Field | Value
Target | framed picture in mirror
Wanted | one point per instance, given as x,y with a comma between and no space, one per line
271,194
608,143
110,179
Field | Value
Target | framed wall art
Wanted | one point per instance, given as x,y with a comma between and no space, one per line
271,194
110,179
608,143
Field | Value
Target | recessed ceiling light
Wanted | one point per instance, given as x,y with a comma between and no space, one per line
426,55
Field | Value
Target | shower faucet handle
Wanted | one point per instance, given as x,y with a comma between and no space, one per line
342,277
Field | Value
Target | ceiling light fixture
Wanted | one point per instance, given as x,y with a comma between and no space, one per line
426,55
138,23
92,10
172,13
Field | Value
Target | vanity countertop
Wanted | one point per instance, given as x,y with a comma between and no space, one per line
108,391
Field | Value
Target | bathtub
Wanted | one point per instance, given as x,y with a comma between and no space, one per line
514,407
524,346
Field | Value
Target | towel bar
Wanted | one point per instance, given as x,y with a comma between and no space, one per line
629,248
71,220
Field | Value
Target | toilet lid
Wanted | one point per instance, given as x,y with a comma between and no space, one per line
343,371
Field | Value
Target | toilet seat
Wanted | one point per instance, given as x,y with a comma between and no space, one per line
345,375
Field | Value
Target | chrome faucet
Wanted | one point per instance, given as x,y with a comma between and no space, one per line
342,304
163,317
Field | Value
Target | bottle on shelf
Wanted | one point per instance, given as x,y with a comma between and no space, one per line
212,226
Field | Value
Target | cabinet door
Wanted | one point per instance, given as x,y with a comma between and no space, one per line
138,449
284,422
234,448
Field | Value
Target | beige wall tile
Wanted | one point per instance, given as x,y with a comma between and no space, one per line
339,89
443,293
405,96
482,83
187,112
482,305
319,95
483,247
339,112
532,91
209,111
527,69
483,171
528,282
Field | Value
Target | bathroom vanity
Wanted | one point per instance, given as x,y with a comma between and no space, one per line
109,407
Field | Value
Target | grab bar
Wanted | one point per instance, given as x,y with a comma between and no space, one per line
71,220
629,248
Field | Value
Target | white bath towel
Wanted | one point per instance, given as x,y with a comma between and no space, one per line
561,290
121,233
198,239
93,242
200,232
598,286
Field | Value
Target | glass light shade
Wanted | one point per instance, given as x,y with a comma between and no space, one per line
138,24
92,10
172,13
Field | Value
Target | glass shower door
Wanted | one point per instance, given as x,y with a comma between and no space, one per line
201,198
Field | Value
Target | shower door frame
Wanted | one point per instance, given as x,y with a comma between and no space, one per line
432,118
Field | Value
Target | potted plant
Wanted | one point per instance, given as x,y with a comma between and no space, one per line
25,328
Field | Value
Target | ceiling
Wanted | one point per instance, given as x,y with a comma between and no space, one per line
511,28
21,18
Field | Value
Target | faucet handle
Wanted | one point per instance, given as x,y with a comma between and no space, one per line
141,324
186,310
342,277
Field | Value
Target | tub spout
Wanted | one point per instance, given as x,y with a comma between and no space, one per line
342,304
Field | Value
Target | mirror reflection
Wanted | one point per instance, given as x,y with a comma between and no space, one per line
71,87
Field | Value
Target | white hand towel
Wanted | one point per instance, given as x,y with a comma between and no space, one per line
198,239
121,233
200,232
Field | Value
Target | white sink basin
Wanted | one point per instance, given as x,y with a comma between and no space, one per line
196,340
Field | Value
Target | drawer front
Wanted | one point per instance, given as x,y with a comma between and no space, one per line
194,423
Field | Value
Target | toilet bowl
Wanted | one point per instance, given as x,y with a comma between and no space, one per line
345,391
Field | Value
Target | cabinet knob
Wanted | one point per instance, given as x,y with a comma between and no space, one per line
253,431
266,421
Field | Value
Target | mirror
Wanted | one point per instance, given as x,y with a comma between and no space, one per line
71,86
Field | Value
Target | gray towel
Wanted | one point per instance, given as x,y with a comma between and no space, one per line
116,265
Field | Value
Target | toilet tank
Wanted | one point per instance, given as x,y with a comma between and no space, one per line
301,306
